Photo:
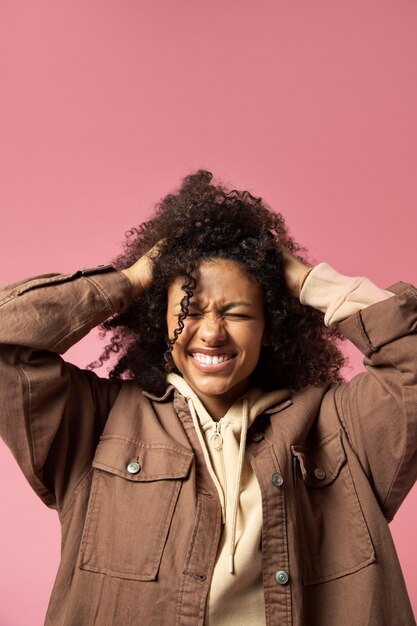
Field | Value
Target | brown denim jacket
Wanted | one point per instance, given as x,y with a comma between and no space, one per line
138,548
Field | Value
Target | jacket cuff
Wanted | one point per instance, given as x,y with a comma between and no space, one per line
383,322
113,285
339,296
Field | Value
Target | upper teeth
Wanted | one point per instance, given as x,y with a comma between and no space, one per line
211,360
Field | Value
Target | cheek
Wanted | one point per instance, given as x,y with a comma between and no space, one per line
251,338
183,339
253,351
179,355
171,324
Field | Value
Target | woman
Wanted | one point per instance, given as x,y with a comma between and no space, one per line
224,474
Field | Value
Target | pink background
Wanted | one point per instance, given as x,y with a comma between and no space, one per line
105,106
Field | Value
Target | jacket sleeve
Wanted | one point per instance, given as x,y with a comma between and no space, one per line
51,412
378,408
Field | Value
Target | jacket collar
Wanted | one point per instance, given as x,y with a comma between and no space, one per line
279,406
162,398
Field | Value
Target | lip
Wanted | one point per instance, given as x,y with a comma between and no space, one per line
212,351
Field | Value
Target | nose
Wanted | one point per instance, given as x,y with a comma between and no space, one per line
212,331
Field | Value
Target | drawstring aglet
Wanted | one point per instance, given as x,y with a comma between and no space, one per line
231,564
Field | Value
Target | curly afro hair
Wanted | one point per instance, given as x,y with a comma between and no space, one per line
204,221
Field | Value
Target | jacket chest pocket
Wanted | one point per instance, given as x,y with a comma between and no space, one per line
334,538
134,492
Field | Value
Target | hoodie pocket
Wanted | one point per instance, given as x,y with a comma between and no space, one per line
134,492
333,535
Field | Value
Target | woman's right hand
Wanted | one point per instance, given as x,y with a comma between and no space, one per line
140,273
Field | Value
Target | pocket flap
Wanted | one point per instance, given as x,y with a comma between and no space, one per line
146,461
321,464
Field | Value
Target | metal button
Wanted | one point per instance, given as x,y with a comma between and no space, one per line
257,437
277,480
133,467
319,473
281,577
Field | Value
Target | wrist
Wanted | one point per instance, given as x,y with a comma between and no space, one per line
135,281
304,278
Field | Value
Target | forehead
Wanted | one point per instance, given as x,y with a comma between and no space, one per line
220,281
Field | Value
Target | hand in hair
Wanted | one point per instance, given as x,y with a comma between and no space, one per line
140,273
295,271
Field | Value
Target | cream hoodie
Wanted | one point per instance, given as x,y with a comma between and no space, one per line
236,593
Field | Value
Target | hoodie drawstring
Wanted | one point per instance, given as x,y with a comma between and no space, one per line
217,441
242,446
203,445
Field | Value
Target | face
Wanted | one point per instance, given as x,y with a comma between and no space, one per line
220,344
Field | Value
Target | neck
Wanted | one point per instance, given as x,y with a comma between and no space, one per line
218,405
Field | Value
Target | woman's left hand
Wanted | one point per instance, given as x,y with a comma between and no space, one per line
295,272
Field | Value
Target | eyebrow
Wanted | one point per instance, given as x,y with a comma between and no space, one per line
229,305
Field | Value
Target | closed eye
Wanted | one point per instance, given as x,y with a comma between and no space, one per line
225,315
238,315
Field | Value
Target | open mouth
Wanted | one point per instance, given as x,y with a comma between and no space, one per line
212,362
206,359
